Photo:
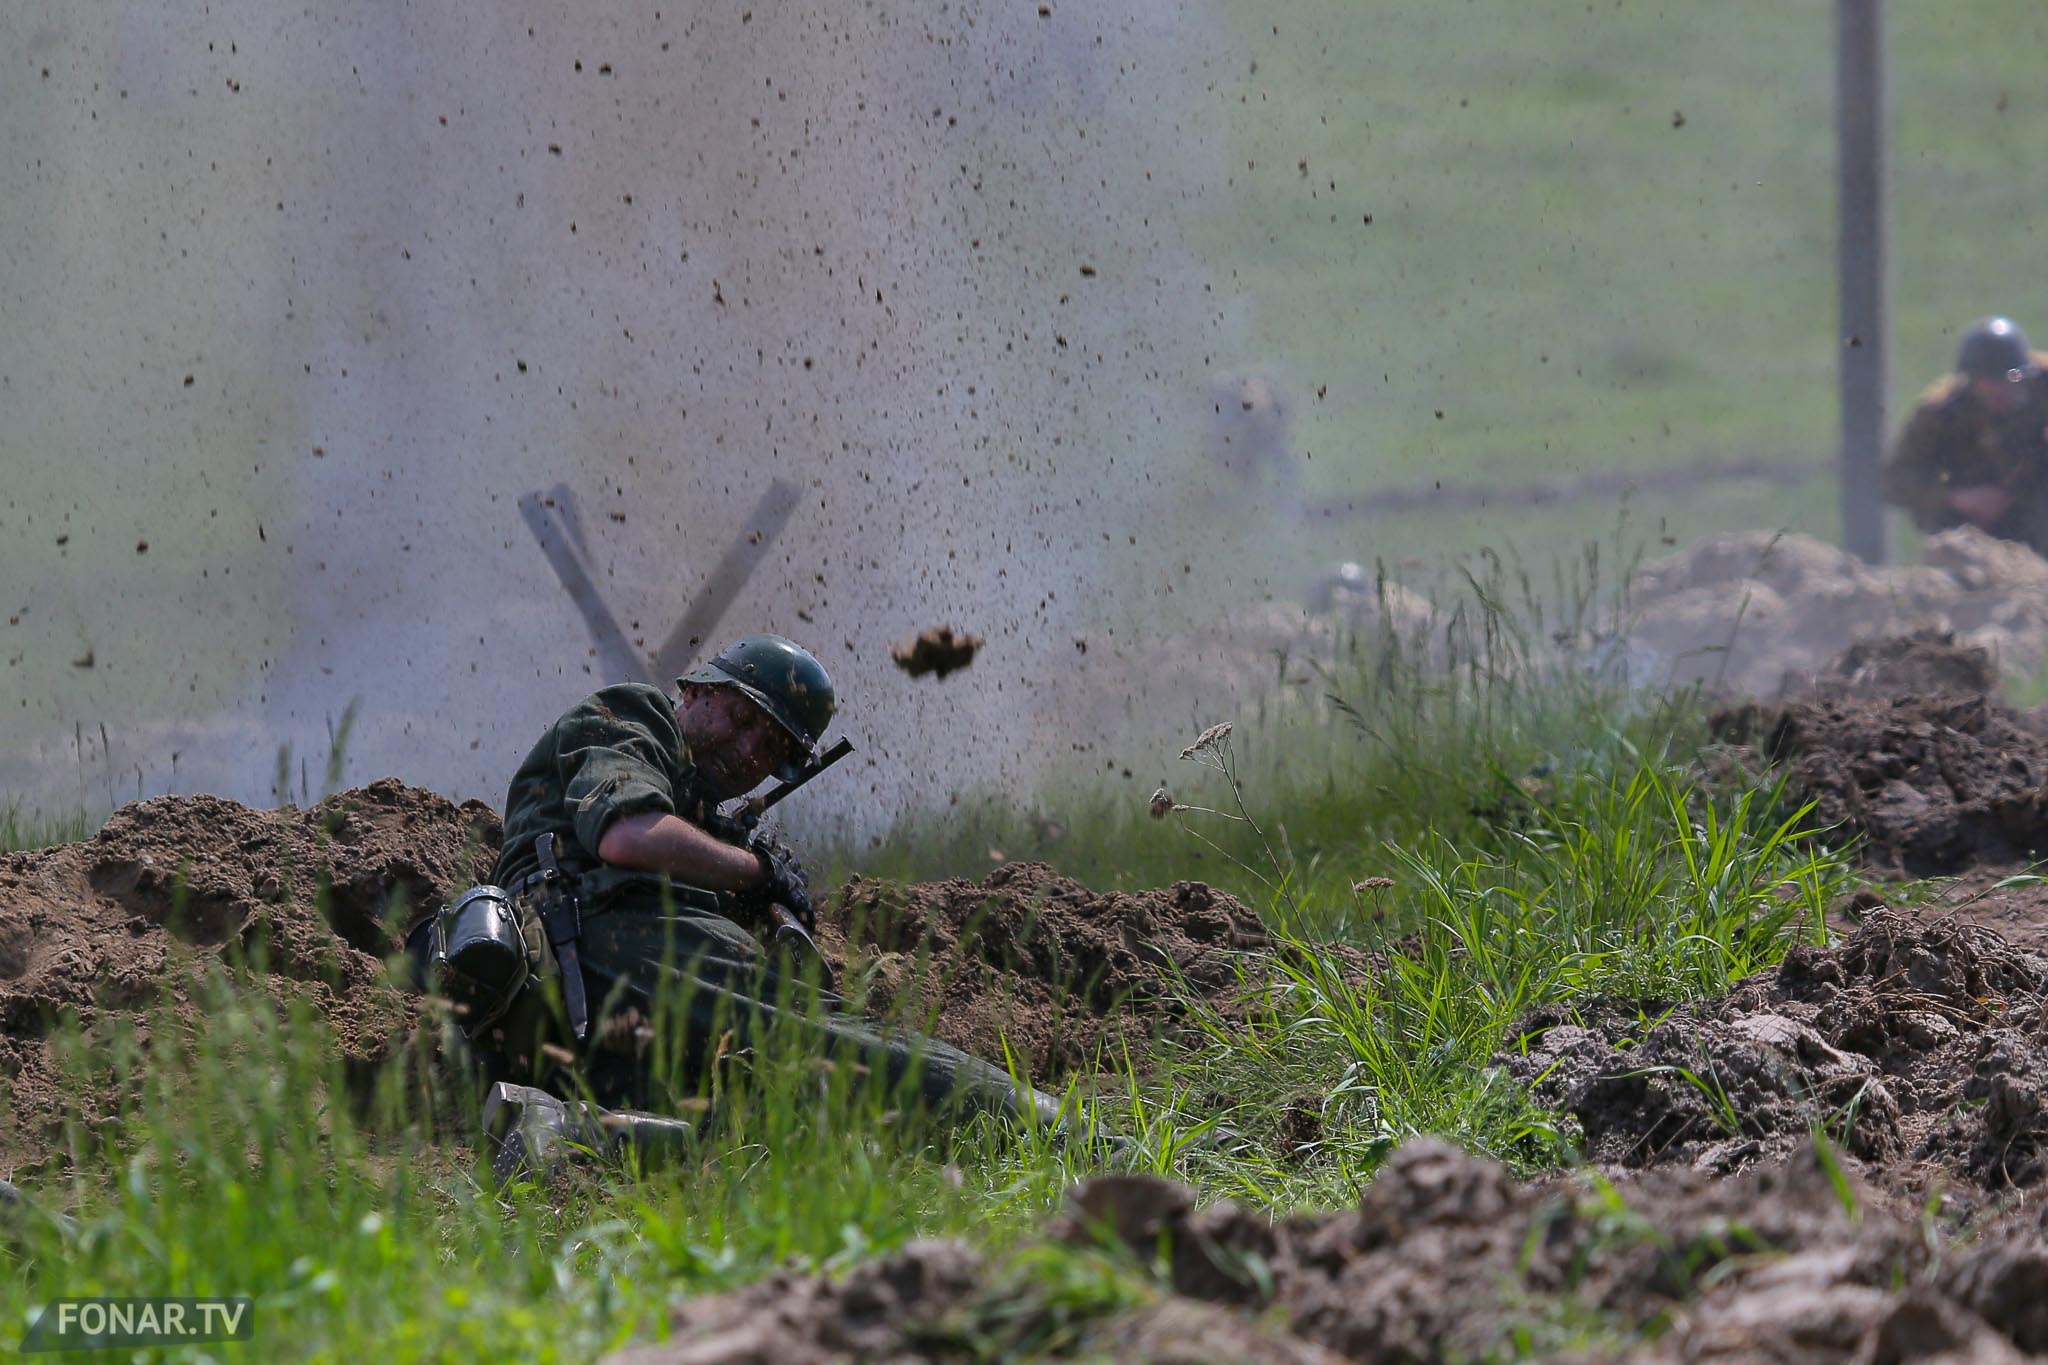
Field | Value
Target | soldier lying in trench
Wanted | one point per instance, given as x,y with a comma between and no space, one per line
623,896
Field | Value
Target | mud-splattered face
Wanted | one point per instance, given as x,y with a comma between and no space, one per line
735,742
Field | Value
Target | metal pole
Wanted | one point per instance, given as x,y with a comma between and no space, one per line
1861,119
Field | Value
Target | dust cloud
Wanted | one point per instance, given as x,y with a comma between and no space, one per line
300,305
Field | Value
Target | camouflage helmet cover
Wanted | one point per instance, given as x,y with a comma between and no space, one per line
783,678
1994,348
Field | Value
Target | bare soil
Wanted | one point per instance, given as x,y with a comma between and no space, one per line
1912,1042
1444,1258
120,924
1746,610
1930,783
1037,959
1912,1045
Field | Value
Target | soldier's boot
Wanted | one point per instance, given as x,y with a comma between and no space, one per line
530,1133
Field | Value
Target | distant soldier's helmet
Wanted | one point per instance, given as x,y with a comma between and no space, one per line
1995,348
784,679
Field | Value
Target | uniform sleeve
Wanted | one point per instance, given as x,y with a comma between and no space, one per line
1914,477
618,760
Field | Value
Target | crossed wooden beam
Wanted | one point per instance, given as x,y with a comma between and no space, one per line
558,527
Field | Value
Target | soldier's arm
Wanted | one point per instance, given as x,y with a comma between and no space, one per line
1914,477
616,783
654,841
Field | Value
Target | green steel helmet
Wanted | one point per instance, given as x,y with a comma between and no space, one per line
1994,348
784,679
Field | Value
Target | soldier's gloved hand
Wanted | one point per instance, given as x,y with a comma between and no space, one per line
783,881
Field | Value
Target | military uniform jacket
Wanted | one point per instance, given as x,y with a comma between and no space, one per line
617,752
1953,440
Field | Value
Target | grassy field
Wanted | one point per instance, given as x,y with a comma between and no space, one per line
1542,837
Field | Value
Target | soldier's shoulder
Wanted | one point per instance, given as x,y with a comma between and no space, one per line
632,703
1942,393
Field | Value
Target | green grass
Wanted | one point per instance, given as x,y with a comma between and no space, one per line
21,829
246,1160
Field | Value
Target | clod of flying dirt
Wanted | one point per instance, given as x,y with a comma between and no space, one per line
939,650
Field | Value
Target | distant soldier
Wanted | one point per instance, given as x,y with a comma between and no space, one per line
1249,436
1975,451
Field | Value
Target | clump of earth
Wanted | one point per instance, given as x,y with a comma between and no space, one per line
1745,612
1038,961
1920,1047
1901,746
1444,1257
938,650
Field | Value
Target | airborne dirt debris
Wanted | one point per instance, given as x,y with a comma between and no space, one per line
939,650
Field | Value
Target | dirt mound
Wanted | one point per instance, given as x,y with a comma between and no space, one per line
1927,662
1931,782
1744,609
1918,1047
111,925
1444,1258
1039,960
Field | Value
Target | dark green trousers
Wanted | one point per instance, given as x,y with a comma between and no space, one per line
715,981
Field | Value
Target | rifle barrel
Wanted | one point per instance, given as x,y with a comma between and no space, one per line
810,770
